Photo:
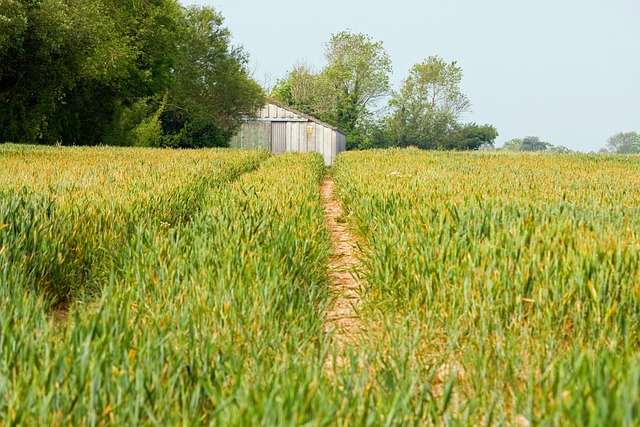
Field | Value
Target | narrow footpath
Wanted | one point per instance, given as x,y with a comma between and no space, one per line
343,320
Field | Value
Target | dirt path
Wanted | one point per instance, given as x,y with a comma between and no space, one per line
342,318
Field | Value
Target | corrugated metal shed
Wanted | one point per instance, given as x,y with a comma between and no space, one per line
279,128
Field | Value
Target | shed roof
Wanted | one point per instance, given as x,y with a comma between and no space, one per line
306,116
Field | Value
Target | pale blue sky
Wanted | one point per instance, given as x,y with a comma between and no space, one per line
567,71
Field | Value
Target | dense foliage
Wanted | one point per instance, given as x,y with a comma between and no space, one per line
623,143
346,91
119,72
506,291
426,112
528,143
533,144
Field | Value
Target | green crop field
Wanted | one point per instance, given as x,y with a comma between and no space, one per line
517,276
191,287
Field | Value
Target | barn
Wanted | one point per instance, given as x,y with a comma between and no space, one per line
279,128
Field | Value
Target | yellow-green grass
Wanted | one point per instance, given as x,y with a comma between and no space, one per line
513,279
500,288
214,319
66,213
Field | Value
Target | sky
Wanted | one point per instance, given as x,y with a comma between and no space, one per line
567,71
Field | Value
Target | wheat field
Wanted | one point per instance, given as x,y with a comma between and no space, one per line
191,287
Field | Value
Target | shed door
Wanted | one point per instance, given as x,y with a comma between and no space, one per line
278,137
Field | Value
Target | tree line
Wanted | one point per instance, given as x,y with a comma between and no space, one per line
623,143
620,143
425,112
120,72
155,73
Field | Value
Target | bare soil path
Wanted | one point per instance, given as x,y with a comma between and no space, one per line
342,318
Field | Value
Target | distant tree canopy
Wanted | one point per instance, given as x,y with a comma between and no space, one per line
533,143
426,112
427,109
154,73
623,143
346,91
119,72
528,143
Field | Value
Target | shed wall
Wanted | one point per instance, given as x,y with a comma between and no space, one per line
278,129
253,134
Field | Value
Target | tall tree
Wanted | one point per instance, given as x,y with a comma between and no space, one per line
68,67
428,106
101,71
624,143
211,87
137,65
358,69
346,91
47,48
307,90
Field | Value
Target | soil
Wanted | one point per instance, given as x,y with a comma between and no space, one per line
343,320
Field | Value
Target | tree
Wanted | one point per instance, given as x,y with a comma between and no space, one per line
358,69
470,137
138,64
211,88
307,90
119,72
528,143
346,91
46,49
69,67
428,106
561,149
624,143
533,143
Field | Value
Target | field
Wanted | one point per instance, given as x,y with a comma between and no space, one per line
513,278
164,287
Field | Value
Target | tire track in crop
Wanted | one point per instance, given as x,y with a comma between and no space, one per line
343,320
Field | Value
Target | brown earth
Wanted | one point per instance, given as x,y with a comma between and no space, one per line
343,320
